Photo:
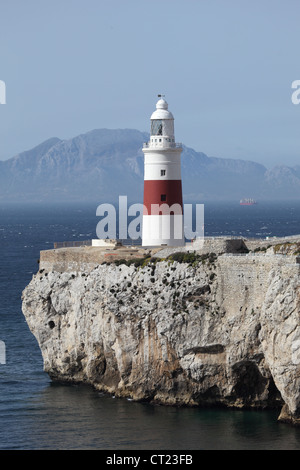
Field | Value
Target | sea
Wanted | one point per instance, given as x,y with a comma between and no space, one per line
36,414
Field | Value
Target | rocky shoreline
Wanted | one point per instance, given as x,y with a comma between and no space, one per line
191,329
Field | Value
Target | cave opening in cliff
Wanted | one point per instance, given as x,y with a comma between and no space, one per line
252,388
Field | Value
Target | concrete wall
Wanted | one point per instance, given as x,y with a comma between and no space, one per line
86,258
245,278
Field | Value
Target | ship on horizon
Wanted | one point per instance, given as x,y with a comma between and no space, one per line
247,202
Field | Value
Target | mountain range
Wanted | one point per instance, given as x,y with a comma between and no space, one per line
102,164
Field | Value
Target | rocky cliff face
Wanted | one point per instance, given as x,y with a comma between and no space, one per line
209,331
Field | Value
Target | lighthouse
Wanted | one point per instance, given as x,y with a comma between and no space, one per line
163,208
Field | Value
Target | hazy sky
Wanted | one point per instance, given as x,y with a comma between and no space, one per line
226,68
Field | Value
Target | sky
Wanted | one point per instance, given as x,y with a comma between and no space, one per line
225,67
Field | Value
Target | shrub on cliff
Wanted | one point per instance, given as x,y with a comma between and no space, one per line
136,261
183,257
192,258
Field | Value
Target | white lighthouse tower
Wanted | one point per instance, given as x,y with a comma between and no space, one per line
163,208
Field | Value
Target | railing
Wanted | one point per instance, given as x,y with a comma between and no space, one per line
224,237
120,242
163,144
72,244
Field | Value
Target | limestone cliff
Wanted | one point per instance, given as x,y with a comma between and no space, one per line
197,331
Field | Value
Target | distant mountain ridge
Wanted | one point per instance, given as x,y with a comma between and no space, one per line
102,164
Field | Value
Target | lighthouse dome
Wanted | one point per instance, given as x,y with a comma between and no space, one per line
162,111
161,104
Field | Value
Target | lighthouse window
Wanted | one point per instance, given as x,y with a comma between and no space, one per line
156,127
162,172
163,197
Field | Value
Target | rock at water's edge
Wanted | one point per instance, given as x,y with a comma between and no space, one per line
218,331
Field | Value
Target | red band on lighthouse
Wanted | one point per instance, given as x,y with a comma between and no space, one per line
160,192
